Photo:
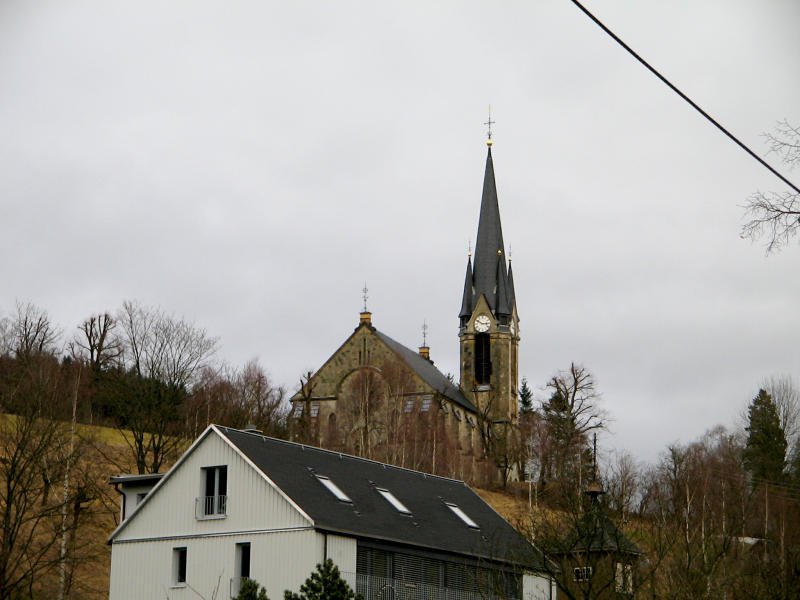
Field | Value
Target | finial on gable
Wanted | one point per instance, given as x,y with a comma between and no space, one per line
424,350
365,318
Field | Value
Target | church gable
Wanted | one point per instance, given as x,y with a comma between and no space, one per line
365,351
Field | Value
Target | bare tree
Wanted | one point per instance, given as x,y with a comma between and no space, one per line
162,357
32,332
571,412
786,396
162,347
622,484
6,336
364,411
44,485
776,215
98,343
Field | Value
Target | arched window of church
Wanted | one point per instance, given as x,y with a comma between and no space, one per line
483,362
333,433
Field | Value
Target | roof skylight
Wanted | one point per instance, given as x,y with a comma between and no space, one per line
392,499
333,488
462,515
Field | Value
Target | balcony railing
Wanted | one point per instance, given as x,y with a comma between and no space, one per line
383,588
211,507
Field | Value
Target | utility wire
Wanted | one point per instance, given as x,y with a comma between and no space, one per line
684,96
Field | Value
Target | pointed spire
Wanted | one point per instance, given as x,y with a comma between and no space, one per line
490,240
512,294
466,300
502,303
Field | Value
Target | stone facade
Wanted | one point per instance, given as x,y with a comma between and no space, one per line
370,400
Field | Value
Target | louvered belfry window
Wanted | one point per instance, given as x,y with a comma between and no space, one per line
483,359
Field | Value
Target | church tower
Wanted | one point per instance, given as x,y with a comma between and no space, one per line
489,325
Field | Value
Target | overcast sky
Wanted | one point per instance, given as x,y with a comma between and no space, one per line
250,165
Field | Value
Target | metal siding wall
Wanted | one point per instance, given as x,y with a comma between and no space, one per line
342,551
279,561
536,587
252,503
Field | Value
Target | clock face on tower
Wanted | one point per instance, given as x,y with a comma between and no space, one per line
482,324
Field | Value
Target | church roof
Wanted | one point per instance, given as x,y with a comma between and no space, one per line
428,372
428,521
489,273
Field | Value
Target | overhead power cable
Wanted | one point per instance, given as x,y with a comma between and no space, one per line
669,84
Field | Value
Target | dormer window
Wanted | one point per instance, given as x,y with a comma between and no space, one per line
462,515
392,499
333,488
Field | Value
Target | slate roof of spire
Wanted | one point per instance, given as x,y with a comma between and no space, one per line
430,524
466,300
489,273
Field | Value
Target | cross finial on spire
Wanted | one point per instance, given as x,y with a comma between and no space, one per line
424,333
364,295
489,124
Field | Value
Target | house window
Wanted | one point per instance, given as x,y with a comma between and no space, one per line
298,410
241,568
483,361
215,492
179,566
624,578
333,488
462,515
392,499
582,574
314,410
409,406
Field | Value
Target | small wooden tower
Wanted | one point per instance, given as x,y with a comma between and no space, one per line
597,560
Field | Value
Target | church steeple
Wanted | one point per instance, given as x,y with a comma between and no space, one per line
490,275
489,331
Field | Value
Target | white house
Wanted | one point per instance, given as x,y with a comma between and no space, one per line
239,504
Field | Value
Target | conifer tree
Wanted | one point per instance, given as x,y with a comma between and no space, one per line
249,591
525,397
765,453
325,583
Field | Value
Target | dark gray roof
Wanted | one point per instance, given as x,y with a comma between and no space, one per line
145,479
489,270
513,299
466,299
597,533
431,524
428,372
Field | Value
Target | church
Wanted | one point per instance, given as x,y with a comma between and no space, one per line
376,398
